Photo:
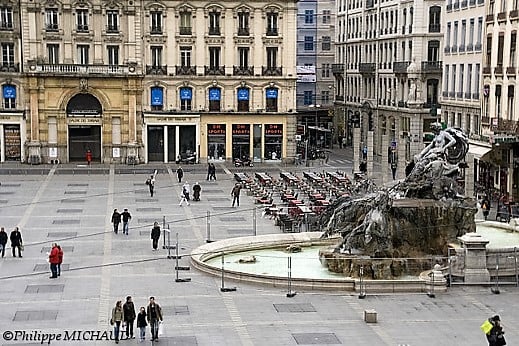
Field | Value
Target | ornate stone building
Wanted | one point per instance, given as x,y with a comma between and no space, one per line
141,81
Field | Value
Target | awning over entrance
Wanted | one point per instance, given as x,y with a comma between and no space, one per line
478,151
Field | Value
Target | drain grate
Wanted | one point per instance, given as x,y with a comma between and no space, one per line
11,184
150,221
212,191
146,200
316,339
294,307
75,192
77,184
69,211
61,235
238,231
3,201
71,200
6,192
44,267
41,315
148,210
232,219
66,222
44,288
218,199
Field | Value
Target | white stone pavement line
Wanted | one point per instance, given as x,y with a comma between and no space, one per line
106,271
36,199
355,306
239,325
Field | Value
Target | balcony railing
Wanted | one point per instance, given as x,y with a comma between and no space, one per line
514,14
339,98
511,70
456,5
506,126
485,120
215,30
432,66
402,104
452,94
337,69
490,17
185,30
79,69
10,67
459,95
214,70
470,47
243,31
51,27
243,70
271,71
462,48
472,2
434,27
445,94
112,29
475,96
157,69
82,28
447,49
6,26
401,67
156,30
477,47
464,3
367,68
272,31
185,70
501,16
449,7
467,95
486,70
498,70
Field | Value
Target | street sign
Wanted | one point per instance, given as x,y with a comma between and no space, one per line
393,144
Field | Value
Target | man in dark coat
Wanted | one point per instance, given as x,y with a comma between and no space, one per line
196,191
154,315
496,335
126,219
116,220
235,193
155,235
180,174
129,317
16,241
3,240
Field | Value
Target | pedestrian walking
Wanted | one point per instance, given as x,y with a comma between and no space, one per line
155,235
151,184
117,318
485,206
126,216
213,172
184,197
154,315
208,171
141,323
3,241
235,193
60,259
54,260
16,241
88,156
116,220
494,331
196,191
180,174
129,317
393,169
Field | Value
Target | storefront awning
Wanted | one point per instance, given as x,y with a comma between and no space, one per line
478,151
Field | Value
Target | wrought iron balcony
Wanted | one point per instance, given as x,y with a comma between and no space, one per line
486,70
470,47
71,69
434,27
156,30
243,31
498,70
6,26
514,14
490,17
472,2
449,7
456,5
477,47
112,29
464,4
52,27
243,70
462,48
214,30
185,30
511,70
367,68
185,70
272,31
506,126
400,67
157,69
339,98
337,69
82,28
447,49
10,67
501,16
370,3
445,94
459,95
467,95
485,120
271,71
214,70
432,66
451,94
402,104
475,96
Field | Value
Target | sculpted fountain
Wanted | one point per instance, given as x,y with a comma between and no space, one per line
416,218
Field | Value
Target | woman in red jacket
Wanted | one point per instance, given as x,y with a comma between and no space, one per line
60,259
54,260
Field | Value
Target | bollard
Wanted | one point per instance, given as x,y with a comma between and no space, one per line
223,288
290,293
164,232
177,267
208,228
362,291
254,221
495,289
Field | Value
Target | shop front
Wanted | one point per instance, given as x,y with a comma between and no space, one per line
11,138
216,142
273,139
240,141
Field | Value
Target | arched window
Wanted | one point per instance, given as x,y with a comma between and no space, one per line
434,18
9,94
157,98
186,97
271,102
215,95
243,99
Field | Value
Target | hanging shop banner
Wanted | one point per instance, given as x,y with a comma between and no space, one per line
243,94
12,142
214,94
9,91
272,93
216,129
186,93
157,96
273,130
240,130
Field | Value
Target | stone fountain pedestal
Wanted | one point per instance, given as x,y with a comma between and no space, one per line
475,247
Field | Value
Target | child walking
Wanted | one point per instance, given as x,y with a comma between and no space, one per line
141,324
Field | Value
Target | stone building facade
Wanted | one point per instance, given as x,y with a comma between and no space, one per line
150,81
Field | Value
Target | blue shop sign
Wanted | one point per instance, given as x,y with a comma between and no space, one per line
157,96
186,93
243,94
272,93
214,94
9,91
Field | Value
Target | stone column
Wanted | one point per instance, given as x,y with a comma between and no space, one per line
370,154
356,149
384,165
475,258
33,146
469,176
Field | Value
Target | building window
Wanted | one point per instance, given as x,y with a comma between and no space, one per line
488,60
272,57
157,98
308,97
156,56
272,24
455,35
82,20
463,34
243,24
6,18
53,53
112,18
471,33
9,94
447,35
434,18
309,16
243,99
469,80
113,55
215,95
82,54
327,16
326,43
186,96
491,7
513,47
156,22
433,50
500,44
453,87
480,33
7,54
271,96
510,104
214,23
243,57
446,79
498,101
462,79
214,58
309,43
325,96
325,70
51,19
185,23
185,56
